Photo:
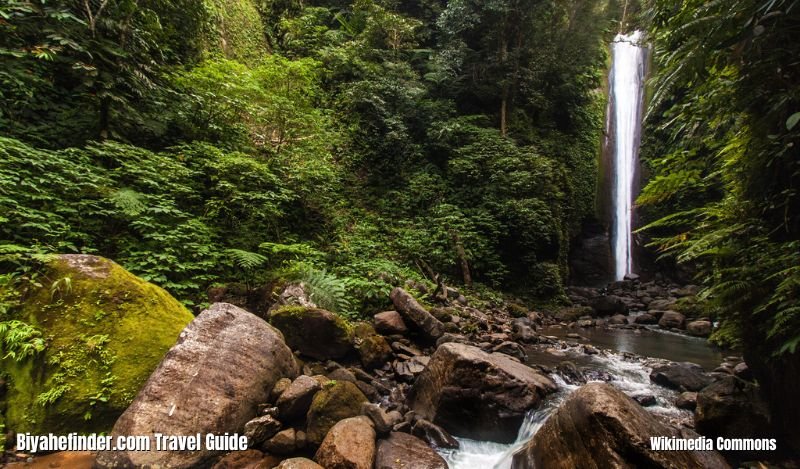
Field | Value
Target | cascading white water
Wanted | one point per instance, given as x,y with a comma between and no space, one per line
626,102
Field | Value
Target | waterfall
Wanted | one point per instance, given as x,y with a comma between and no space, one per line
626,99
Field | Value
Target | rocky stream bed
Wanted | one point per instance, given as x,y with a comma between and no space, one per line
446,385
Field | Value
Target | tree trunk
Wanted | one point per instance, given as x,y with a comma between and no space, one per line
462,260
504,97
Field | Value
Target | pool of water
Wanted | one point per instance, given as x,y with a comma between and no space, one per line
648,343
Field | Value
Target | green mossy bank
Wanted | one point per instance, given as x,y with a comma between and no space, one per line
105,329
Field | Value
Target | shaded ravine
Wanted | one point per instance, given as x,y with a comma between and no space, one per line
629,373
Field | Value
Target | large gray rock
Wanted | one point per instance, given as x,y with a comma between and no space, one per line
598,426
680,376
416,316
402,450
462,385
224,364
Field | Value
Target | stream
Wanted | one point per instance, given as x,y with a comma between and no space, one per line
628,373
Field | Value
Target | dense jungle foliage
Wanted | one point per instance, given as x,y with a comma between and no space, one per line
348,144
723,153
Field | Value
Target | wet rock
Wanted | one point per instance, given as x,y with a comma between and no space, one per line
645,400
314,332
645,318
298,463
599,426
248,459
390,322
680,376
260,429
220,339
284,442
402,450
382,420
731,408
296,399
435,435
370,391
336,401
373,349
522,331
416,316
590,350
585,323
618,319
699,328
672,320
350,444
512,349
461,386
570,373
687,400
742,371
609,305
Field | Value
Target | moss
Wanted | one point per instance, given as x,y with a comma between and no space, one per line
238,31
315,332
336,401
106,332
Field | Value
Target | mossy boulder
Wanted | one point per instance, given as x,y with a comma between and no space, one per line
314,332
105,329
336,401
372,347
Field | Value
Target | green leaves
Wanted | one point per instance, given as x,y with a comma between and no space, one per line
792,121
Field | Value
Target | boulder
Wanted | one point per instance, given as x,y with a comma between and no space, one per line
742,371
672,320
314,332
382,420
433,434
296,399
680,376
599,426
389,323
618,319
645,318
298,463
98,321
198,371
278,389
336,401
416,316
248,459
609,305
731,408
402,450
463,385
284,442
373,348
699,328
687,400
572,313
350,444
661,305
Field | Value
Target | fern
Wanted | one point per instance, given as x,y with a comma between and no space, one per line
245,259
20,340
325,289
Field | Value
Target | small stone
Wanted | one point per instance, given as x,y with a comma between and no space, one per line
296,399
278,389
390,322
687,400
260,429
645,400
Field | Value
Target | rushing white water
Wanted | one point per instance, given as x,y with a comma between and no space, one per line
626,100
632,376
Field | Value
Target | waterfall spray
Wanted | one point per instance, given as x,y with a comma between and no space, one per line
627,96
